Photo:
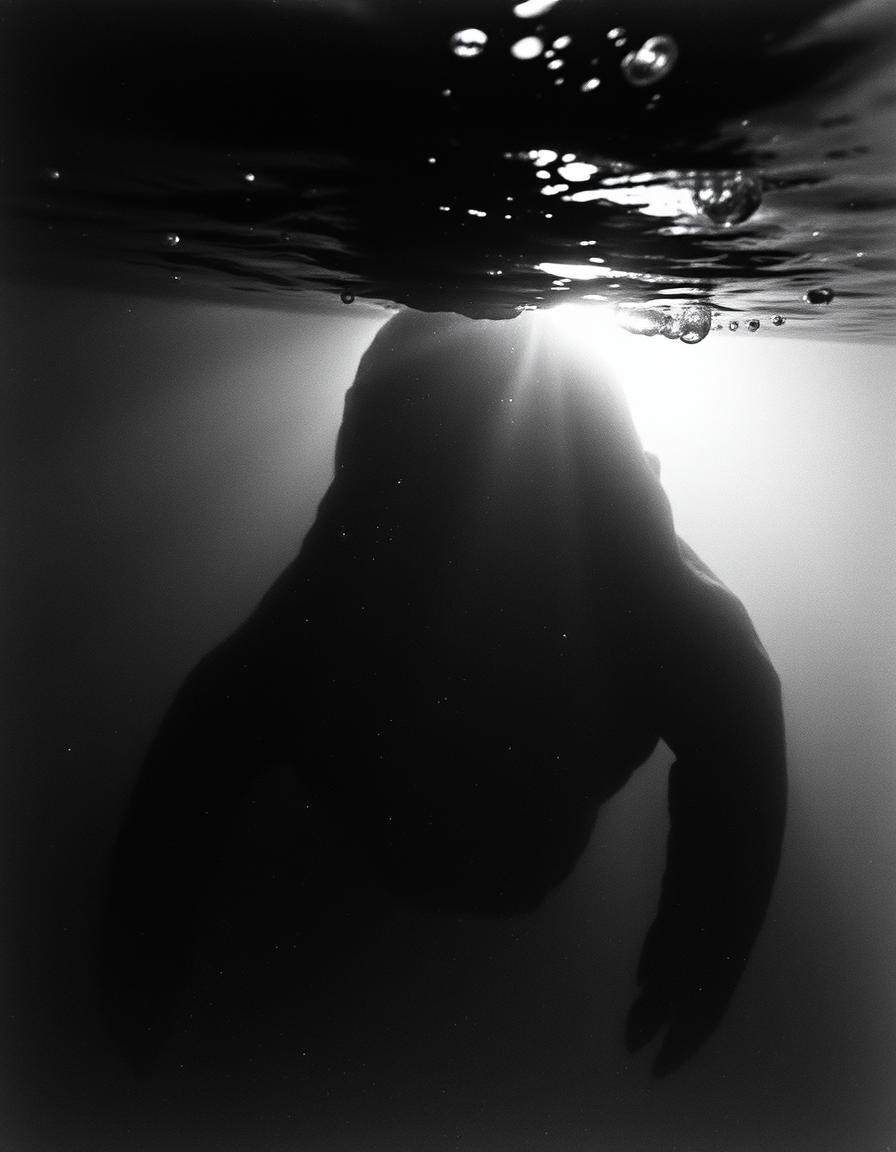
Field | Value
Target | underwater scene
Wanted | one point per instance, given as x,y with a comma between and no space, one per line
449,560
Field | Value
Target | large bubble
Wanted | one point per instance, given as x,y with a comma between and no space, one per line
727,197
653,61
689,323
468,42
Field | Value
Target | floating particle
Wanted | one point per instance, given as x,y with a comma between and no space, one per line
733,325
468,42
562,42
727,197
532,8
652,62
819,296
347,297
172,240
527,48
753,325
777,321
590,85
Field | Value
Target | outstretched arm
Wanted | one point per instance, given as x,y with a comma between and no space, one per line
722,718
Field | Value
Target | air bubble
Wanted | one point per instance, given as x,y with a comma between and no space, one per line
590,85
819,296
347,297
640,320
54,174
527,48
652,62
617,36
468,43
777,321
577,171
562,42
690,324
696,321
727,197
532,8
733,325
753,325
172,240
249,177
553,65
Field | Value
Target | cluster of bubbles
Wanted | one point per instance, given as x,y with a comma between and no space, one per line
727,198
644,66
689,323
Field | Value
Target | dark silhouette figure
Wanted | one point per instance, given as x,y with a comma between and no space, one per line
489,627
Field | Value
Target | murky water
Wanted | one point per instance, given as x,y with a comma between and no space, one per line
478,158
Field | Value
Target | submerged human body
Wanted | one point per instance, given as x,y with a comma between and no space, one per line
489,627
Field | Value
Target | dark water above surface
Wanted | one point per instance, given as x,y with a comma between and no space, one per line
279,151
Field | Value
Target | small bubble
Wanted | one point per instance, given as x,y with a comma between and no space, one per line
527,48
347,297
815,234
543,174
559,81
172,240
54,174
568,157
860,254
590,85
430,160
249,177
446,91
652,62
562,42
176,276
777,321
617,36
819,296
553,65
468,42
753,325
444,208
733,325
